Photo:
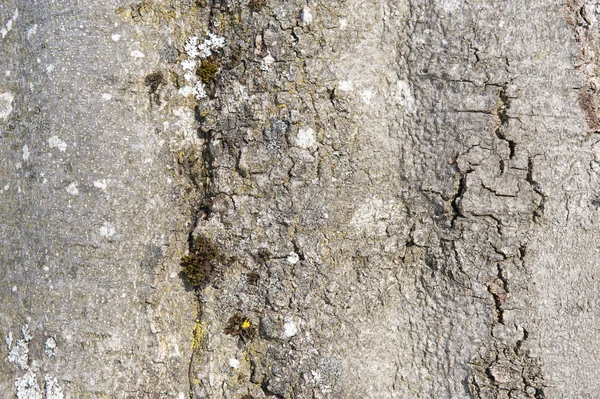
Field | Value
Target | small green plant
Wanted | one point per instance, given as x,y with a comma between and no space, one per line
201,264
208,69
257,5
241,327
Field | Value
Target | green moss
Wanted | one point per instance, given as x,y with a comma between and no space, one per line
200,266
208,69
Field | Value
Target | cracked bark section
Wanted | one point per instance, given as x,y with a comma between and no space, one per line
580,15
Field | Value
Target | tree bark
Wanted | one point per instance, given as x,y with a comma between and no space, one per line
347,199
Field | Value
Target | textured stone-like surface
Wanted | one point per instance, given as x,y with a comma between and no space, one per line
404,195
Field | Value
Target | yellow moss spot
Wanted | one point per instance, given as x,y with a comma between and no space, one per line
246,324
198,336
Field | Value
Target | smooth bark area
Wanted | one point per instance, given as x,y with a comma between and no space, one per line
370,199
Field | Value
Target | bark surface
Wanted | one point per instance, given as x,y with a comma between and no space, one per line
371,199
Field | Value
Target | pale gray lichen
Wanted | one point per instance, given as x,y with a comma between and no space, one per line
55,142
290,329
19,354
266,62
53,390
9,25
8,340
27,386
306,16
6,108
293,258
49,347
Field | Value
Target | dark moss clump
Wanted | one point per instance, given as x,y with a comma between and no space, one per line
241,327
253,277
263,255
153,81
257,5
208,69
201,264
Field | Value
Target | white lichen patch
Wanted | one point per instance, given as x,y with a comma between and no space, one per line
213,42
345,85
31,31
6,108
9,25
55,142
293,258
367,96
101,184
8,340
107,230
306,16
26,153
191,47
49,347
188,66
53,390
343,23
449,5
26,333
234,363
266,62
199,92
290,329
306,138
27,386
72,189
107,96
186,91
49,68
197,51
115,37
19,354
137,54
405,97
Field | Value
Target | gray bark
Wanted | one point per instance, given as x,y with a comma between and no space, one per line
400,197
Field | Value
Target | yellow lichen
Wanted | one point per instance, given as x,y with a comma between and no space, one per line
198,336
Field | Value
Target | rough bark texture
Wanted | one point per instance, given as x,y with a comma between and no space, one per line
375,199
